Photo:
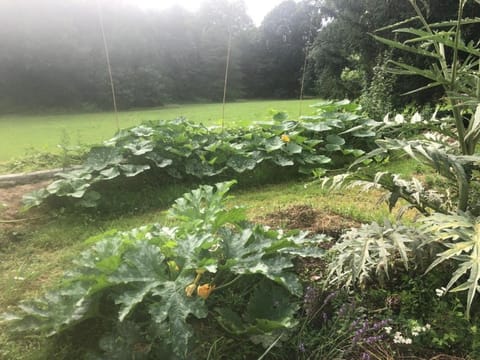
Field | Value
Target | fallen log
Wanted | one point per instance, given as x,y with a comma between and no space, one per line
11,180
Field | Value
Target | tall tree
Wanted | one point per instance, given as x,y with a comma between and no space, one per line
345,42
279,50
221,24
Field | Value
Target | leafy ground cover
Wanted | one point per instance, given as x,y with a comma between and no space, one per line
217,279
183,150
34,133
206,239
34,254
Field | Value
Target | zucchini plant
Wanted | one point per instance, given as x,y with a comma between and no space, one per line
147,285
180,149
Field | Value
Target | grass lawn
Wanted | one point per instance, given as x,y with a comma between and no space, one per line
22,133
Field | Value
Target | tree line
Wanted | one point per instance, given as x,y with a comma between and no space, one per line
53,55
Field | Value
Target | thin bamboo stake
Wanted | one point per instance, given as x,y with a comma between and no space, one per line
303,82
229,49
109,67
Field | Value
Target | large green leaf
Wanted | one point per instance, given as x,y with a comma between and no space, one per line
241,163
139,146
174,308
247,253
271,304
52,313
35,198
335,139
124,343
274,143
103,156
75,188
316,127
190,209
270,309
142,131
159,160
110,173
460,234
293,148
280,116
143,262
317,159
131,170
200,168
282,160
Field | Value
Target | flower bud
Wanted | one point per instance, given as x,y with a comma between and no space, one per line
190,289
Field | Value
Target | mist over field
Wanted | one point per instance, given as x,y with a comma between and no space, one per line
53,53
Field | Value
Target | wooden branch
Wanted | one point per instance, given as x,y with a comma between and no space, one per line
11,180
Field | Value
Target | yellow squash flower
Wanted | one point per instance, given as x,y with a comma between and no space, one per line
285,138
204,290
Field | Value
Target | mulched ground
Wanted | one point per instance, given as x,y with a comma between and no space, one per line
305,217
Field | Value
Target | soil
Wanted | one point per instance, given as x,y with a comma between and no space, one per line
305,217
11,215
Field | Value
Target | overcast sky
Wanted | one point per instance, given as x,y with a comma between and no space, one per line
257,9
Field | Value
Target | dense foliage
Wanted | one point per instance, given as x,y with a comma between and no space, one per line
181,150
148,284
451,209
347,58
385,290
404,273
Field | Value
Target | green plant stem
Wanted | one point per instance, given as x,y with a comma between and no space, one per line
271,346
463,189
229,283
422,19
458,32
477,93
456,111
460,128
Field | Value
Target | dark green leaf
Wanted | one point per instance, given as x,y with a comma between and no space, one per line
103,156
280,116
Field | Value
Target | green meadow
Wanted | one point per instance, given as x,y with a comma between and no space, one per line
20,133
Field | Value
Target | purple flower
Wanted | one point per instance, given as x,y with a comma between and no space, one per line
325,316
378,325
354,324
301,347
329,297
365,356
309,300
372,339
342,311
